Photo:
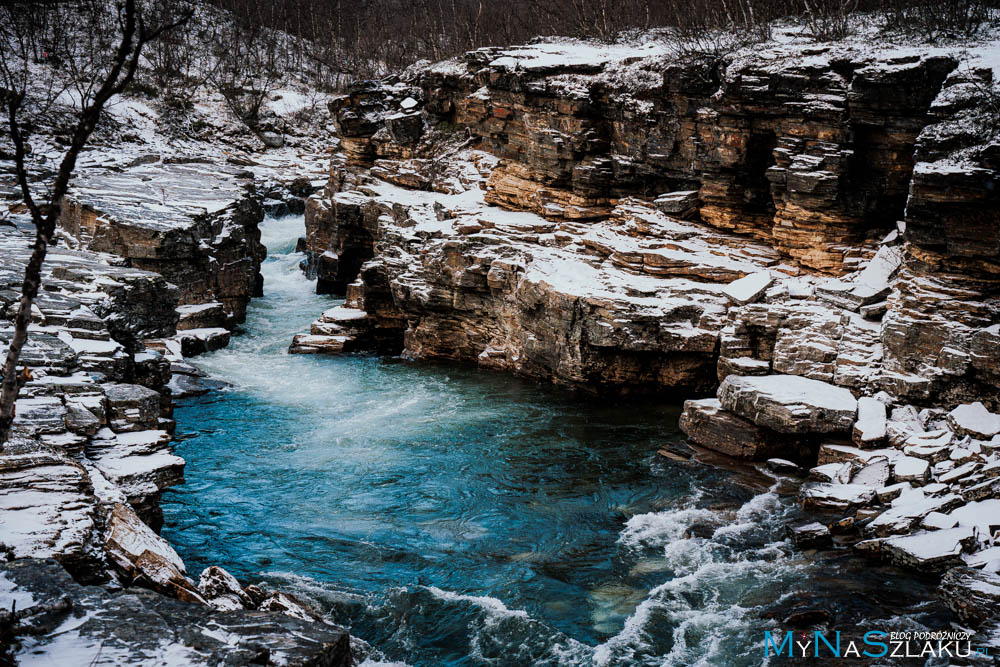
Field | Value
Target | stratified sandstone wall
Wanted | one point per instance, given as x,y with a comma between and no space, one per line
810,152
942,329
195,225
806,159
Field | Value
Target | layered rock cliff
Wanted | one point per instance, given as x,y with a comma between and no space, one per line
664,180
82,475
193,224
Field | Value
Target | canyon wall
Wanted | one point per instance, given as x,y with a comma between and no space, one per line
194,224
809,232
668,180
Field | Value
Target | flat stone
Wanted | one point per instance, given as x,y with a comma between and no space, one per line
784,467
982,491
929,551
974,420
707,424
749,288
986,559
889,493
874,473
44,414
902,517
833,473
677,203
789,403
813,535
318,344
938,521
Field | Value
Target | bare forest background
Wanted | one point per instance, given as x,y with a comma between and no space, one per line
243,49
368,38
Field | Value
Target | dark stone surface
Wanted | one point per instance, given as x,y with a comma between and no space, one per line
139,627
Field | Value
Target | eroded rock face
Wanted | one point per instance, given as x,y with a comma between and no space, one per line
190,223
941,331
139,627
47,508
814,151
92,425
973,595
633,303
808,153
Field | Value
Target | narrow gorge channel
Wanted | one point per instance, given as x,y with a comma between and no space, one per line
451,516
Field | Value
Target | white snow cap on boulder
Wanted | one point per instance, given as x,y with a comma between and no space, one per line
748,288
789,403
975,420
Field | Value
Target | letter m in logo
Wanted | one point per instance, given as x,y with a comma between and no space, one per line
770,643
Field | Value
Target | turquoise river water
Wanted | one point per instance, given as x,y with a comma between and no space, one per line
449,516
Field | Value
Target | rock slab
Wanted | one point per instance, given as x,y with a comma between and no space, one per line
789,403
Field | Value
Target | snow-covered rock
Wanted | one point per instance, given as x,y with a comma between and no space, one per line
975,420
143,557
821,496
972,594
748,288
929,551
789,403
870,429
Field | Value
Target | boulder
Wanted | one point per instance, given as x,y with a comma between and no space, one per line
974,420
272,139
789,403
132,407
81,420
222,590
972,594
826,497
405,128
143,557
707,424
911,469
870,429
